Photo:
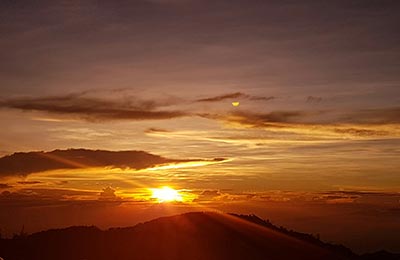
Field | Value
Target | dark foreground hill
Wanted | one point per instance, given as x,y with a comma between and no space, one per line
188,236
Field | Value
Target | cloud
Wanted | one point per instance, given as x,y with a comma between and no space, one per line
389,115
360,123
108,194
261,98
223,97
29,182
51,197
312,99
156,130
361,132
5,186
91,108
256,119
236,95
208,195
31,162
271,117
366,197
388,199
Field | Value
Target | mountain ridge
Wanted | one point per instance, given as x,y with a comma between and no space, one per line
195,235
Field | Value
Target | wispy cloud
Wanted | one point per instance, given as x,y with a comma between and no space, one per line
57,197
91,108
5,186
29,182
313,99
362,116
156,130
360,123
256,119
390,115
236,95
328,197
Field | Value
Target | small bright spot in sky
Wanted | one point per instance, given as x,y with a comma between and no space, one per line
235,104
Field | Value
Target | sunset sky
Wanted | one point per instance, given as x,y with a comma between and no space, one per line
314,142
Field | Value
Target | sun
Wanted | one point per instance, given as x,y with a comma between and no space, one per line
166,194
236,103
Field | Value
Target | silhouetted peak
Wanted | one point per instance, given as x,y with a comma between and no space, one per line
200,235
379,255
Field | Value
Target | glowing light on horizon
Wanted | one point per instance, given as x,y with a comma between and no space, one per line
166,194
235,103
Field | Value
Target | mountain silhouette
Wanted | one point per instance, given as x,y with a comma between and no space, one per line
197,235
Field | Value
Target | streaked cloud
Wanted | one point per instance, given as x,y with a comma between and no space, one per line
390,115
188,164
31,162
236,95
46,197
29,182
156,130
391,199
363,116
313,99
5,186
360,123
91,108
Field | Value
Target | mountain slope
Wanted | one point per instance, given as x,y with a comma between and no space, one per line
187,236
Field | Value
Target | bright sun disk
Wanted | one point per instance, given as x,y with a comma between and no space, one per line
166,194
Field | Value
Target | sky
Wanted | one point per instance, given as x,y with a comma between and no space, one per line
103,101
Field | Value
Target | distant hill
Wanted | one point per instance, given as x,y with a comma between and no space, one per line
196,235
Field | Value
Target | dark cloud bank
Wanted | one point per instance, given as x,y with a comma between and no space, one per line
31,162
